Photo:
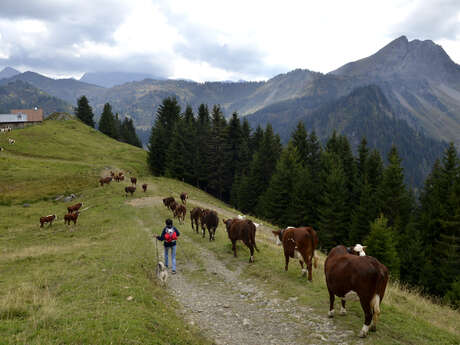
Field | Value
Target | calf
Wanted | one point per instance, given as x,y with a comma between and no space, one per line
244,230
133,180
195,215
129,189
47,219
11,141
299,243
183,197
144,187
75,207
71,217
180,213
364,275
211,221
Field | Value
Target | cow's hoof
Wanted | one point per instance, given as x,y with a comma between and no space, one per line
331,313
343,311
364,332
373,328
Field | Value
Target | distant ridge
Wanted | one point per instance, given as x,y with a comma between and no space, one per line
8,72
110,79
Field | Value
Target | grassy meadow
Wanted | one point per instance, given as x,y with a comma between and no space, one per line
94,283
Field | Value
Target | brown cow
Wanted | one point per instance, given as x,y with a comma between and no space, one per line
183,197
180,213
75,207
172,206
129,189
71,217
211,221
299,243
195,215
47,219
167,201
144,187
133,180
244,230
364,275
105,180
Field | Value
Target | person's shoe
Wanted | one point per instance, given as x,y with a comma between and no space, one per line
173,272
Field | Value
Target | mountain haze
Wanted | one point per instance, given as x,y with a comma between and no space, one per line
8,72
110,79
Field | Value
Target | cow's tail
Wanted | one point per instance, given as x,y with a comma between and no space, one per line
315,259
254,238
375,307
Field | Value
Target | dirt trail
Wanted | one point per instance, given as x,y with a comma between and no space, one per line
233,310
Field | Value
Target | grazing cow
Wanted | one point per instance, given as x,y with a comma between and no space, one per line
299,243
167,201
211,221
120,174
105,180
365,275
75,207
71,217
244,230
133,180
144,187
180,213
183,197
47,219
195,215
121,178
112,174
129,189
11,141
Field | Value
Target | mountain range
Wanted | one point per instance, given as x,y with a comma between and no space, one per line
415,82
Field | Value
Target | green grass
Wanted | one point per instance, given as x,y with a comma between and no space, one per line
70,285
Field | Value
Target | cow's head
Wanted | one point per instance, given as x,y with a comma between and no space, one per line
278,236
357,250
228,223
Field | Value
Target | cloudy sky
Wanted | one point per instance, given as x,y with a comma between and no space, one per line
212,39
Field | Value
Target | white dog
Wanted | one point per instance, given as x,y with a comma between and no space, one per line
162,273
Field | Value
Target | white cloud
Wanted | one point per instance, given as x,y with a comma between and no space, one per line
213,40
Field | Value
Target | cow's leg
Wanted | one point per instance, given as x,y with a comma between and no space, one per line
365,304
286,256
41,225
331,304
234,247
375,308
301,261
343,310
310,269
251,249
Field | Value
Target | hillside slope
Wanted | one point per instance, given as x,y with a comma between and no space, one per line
59,157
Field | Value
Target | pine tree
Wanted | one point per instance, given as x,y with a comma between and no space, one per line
333,224
381,245
107,121
234,141
174,164
363,215
217,154
277,199
299,139
84,112
128,133
190,146
167,115
201,163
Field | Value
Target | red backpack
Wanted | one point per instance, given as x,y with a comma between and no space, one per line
170,235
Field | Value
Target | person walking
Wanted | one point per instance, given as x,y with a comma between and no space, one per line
169,235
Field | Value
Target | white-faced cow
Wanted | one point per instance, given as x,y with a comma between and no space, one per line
180,213
244,230
364,275
105,180
299,243
47,219
71,217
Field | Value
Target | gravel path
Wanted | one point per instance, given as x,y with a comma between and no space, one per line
233,310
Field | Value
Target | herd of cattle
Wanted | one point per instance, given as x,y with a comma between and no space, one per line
348,271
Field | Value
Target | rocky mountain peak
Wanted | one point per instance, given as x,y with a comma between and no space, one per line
405,59
8,72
